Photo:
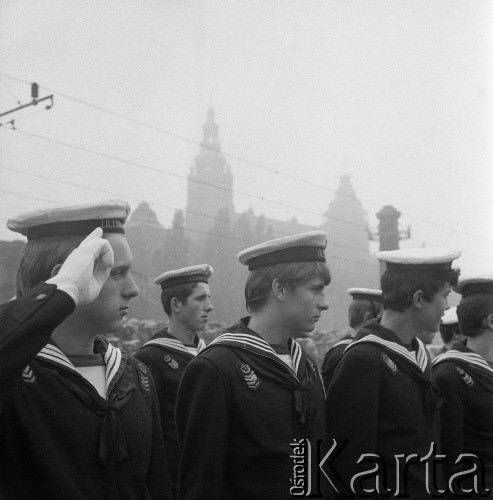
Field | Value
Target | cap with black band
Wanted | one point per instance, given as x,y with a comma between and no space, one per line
427,259
474,284
73,220
192,274
303,247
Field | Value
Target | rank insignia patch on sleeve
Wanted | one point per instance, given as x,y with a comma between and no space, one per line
249,376
389,364
172,363
143,379
465,376
29,378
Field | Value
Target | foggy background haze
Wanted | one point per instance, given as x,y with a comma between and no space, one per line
396,94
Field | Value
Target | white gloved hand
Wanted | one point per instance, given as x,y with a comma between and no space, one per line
86,269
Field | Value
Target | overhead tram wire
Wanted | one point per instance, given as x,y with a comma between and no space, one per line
233,156
45,200
242,240
178,176
233,223
153,203
17,100
184,177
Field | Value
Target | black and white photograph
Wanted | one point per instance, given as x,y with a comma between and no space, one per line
246,249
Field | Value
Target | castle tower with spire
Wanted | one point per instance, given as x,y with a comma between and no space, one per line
209,169
213,232
348,252
346,224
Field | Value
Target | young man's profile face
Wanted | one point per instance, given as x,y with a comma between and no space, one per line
195,311
106,313
304,305
432,312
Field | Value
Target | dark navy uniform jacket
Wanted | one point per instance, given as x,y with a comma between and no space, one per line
59,439
466,381
332,358
167,357
239,408
383,401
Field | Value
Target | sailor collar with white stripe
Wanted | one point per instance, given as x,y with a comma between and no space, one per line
113,358
250,340
343,342
168,341
418,357
462,354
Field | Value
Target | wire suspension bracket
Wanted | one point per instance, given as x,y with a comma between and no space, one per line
34,102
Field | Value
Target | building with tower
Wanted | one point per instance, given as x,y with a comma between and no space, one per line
348,252
210,230
209,169
213,232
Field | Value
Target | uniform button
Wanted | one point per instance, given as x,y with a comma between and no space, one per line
41,296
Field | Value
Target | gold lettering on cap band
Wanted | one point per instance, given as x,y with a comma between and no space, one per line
183,280
291,254
75,228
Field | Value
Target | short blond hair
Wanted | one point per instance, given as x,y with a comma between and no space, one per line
291,274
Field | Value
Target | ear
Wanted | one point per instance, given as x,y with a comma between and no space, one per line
418,299
55,270
489,321
367,317
456,335
175,305
278,290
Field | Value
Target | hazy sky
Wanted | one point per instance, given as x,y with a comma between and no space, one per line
396,93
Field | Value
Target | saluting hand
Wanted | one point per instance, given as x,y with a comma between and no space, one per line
86,269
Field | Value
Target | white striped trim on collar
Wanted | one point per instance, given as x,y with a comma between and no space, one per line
200,347
176,345
470,358
244,339
420,360
296,353
53,353
112,359
342,342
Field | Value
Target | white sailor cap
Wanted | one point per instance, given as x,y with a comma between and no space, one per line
478,283
365,293
73,220
192,274
303,247
450,316
419,259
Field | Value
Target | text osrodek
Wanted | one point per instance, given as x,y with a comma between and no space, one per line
371,478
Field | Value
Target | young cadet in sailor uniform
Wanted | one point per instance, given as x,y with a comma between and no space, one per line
79,420
382,399
465,376
186,299
365,306
245,400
